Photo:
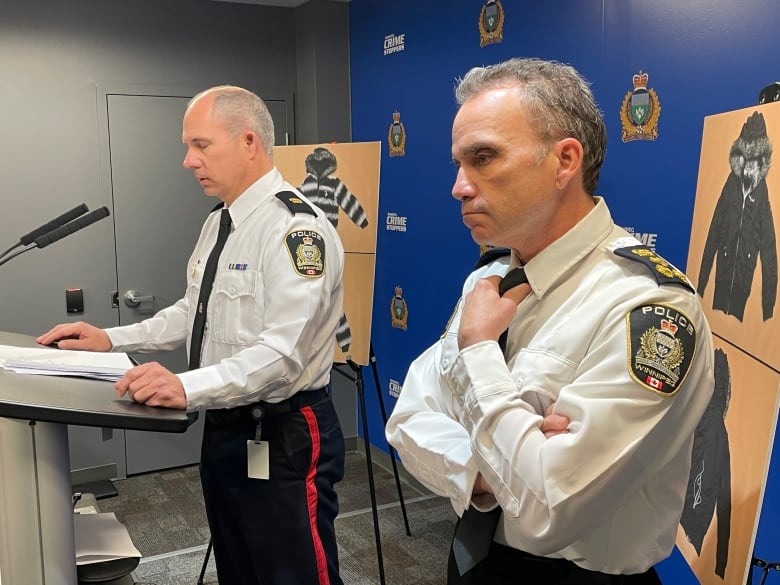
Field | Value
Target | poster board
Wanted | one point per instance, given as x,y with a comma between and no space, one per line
732,262
342,179
734,237
729,469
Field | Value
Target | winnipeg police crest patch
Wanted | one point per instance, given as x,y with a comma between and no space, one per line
307,252
661,345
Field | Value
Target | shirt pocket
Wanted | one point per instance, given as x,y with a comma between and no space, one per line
540,374
235,307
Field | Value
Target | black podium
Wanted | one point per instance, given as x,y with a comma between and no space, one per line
36,511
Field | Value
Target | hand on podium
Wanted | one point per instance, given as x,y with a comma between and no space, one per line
77,336
153,385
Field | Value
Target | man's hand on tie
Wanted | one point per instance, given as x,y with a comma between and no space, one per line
486,314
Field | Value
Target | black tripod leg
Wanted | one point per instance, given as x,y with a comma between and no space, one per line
369,465
372,359
205,562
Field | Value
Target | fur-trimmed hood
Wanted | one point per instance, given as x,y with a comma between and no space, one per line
320,162
752,144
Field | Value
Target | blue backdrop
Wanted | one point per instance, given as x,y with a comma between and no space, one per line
701,57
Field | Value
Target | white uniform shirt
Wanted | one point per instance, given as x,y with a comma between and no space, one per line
608,495
270,330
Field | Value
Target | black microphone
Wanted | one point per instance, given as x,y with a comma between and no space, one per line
58,233
54,224
27,239
71,227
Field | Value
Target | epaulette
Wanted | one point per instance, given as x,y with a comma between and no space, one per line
294,203
664,272
490,255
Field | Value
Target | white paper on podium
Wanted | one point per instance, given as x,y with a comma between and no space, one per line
101,537
64,362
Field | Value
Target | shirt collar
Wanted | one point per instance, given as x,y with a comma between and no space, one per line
265,187
552,263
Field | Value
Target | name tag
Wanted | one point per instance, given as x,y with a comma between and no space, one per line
257,459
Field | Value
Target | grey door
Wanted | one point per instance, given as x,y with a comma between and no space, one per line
158,212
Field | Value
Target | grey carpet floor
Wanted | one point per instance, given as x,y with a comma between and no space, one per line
164,514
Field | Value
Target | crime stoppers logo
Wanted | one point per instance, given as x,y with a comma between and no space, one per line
394,43
395,222
394,388
649,239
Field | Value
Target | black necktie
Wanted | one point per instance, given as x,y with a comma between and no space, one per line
199,324
475,530
513,278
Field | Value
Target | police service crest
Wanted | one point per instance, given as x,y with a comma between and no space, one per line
491,23
661,345
640,111
307,252
396,136
399,313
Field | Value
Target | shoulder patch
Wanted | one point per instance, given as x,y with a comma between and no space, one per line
307,252
294,203
491,255
661,345
664,272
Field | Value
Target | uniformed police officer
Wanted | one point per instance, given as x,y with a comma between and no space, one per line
601,331
272,446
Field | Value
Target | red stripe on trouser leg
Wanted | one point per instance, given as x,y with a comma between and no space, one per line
311,496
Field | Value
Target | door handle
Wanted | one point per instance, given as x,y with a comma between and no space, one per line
134,299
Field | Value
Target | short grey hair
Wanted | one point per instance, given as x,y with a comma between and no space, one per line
240,109
558,101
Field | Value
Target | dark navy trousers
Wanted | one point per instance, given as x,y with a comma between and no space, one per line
278,531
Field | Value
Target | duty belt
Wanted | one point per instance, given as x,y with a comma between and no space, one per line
251,412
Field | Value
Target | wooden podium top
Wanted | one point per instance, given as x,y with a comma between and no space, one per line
78,401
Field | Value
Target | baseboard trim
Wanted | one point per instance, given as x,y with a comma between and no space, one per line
93,474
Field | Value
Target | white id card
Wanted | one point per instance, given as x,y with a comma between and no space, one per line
257,459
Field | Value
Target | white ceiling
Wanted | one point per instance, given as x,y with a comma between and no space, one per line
285,3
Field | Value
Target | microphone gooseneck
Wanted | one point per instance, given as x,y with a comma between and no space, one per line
43,240
28,238
54,224
71,227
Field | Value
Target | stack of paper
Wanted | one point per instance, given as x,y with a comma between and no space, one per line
64,362
101,537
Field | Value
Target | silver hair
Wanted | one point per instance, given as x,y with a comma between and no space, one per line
240,109
558,101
